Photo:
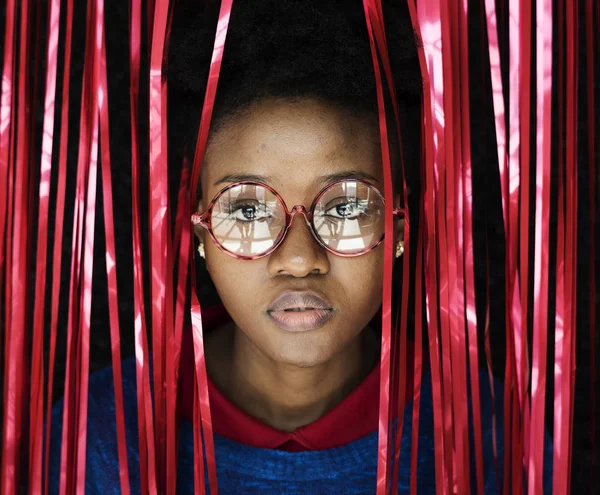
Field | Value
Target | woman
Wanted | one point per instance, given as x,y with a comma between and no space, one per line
290,223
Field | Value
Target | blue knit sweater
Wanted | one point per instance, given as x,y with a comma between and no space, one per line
350,469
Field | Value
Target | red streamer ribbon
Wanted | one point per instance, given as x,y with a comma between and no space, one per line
75,408
398,344
540,289
465,243
201,400
58,227
16,213
592,179
419,19
388,252
6,121
144,409
111,257
37,372
418,371
159,217
565,329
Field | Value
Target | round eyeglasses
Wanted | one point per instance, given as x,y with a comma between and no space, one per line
249,220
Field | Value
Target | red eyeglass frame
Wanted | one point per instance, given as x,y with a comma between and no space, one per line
204,219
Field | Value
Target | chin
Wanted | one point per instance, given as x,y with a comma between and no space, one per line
302,356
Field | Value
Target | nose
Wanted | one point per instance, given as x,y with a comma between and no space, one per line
299,254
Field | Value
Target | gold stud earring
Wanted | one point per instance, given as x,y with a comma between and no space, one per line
399,249
201,250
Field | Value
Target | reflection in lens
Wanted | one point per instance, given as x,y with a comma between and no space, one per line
348,217
247,219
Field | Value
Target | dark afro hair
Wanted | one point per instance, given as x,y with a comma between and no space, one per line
287,49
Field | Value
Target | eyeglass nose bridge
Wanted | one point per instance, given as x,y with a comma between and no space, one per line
308,216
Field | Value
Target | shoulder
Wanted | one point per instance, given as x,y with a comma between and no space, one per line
102,465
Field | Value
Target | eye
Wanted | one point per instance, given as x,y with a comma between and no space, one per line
346,208
249,211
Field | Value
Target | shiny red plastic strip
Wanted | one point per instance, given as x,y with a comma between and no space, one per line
519,226
158,219
72,475
201,388
509,161
182,247
174,332
378,25
438,289
422,26
161,253
110,258
23,211
465,249
86,307
6,120
418,366
16,286
183,238
88,252
399,349
388,260
199,482
488,356
564,335
592,178
58,228
144,409
8,470
541,250
497,95
517,232
559,317
500,127
443,158
451,214
36,401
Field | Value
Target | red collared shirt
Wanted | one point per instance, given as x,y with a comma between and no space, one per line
353,418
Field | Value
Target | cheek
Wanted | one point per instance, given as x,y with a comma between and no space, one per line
235,281
362,280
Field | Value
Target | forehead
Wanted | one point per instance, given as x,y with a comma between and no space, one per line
293,145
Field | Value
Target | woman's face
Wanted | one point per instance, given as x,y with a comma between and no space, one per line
297,148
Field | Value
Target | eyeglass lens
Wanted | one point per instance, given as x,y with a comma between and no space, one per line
248,219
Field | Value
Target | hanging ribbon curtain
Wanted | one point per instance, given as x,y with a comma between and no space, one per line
444,281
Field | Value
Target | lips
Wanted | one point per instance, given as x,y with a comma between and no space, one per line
298,311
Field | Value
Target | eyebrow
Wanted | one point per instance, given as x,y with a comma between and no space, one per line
350,174
241,177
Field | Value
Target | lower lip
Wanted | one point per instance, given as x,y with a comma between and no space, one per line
301,321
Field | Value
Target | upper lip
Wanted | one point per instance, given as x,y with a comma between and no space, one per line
299,300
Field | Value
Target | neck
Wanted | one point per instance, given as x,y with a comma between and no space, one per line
285,396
